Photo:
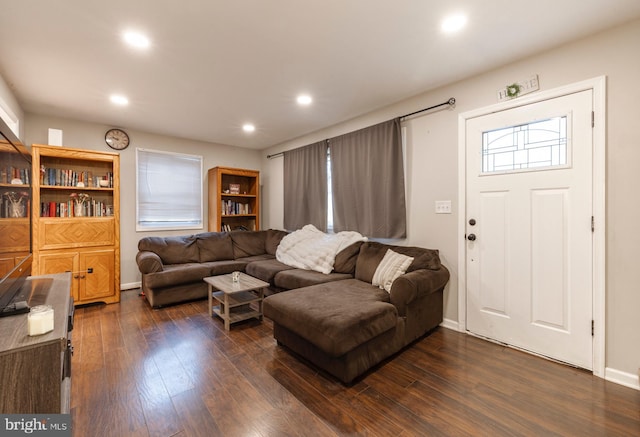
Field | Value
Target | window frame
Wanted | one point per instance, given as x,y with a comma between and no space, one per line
562,145
168,225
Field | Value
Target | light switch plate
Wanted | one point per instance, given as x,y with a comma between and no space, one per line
443,207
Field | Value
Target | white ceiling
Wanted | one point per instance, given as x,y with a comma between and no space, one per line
216,64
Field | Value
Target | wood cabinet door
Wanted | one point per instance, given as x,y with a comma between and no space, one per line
100,282
6,264
58,263
51,263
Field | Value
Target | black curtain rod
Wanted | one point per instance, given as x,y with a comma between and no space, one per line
281,153
450,102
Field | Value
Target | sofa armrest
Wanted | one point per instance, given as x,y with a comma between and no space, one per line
415,284
149,262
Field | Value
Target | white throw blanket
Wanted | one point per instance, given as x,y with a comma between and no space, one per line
311,249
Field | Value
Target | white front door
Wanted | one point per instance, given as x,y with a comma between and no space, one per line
529,227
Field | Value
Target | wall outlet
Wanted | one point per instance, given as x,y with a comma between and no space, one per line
443,207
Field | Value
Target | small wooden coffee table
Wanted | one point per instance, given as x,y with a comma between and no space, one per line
231,301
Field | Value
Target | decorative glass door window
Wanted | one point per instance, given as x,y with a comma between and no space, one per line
531,146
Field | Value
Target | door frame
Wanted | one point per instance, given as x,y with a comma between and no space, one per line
598,86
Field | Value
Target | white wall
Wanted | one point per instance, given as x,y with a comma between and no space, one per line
433,164
91,136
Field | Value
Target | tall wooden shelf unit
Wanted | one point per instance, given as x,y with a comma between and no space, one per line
86,243
234,199
14,227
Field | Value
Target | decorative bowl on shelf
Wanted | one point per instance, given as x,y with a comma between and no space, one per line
104,183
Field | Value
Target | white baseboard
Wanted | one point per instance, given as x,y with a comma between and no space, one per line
130,285
450,324
622,378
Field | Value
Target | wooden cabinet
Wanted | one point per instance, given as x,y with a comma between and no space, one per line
94,270
76,225
15,202
14,233
234,199
35,372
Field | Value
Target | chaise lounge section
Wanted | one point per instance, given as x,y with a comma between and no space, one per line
348,326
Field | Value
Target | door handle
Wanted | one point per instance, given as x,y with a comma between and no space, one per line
471,237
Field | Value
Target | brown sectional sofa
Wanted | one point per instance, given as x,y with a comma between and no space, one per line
340,322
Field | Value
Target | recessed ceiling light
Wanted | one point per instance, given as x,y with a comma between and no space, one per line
248,127
118,99
304,99
454,23
136,39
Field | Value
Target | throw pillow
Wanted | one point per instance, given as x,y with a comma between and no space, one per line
393,264
345,261
368,260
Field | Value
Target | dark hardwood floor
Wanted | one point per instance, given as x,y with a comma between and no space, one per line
176,372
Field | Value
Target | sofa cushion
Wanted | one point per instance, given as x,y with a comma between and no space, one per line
266,269
345,261
335,317
214,246
254,258
296,278
248,243
224,267
176,274
371,253
172,250
274,237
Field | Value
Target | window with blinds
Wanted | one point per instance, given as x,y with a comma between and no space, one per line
168,191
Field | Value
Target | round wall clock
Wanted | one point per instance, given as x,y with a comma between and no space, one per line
117,139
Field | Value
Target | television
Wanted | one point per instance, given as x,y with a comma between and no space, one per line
15,222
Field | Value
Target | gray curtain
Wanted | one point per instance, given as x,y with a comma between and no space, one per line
367,181
305,187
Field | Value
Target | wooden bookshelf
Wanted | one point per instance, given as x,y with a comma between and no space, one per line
234,199
80,237
15,183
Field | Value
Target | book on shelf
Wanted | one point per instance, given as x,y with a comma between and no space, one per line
57,177
225,227
92,208
10,174
229,207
